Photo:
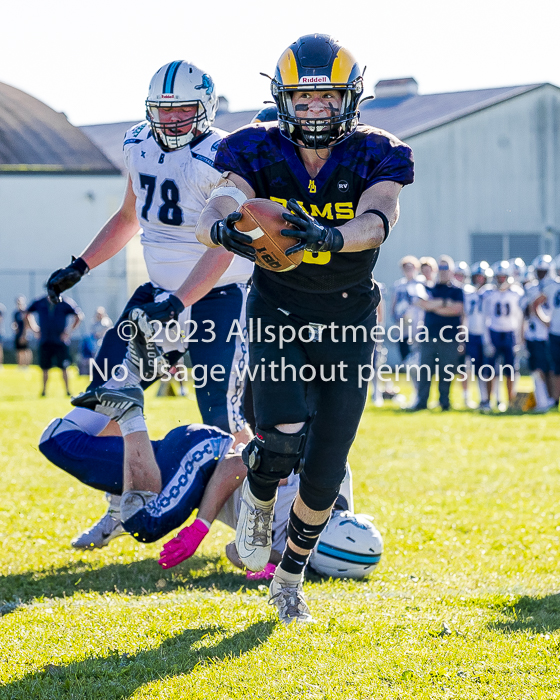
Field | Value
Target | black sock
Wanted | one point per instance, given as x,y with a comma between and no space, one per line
263,489
293,562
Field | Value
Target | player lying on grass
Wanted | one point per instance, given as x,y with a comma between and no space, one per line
198,470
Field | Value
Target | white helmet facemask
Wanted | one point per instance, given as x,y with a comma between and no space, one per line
175,85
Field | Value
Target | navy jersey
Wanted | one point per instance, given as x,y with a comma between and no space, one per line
52,318
325,284
451,291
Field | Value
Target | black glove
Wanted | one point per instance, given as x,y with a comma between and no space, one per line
164,311
313,236
225,234
65,278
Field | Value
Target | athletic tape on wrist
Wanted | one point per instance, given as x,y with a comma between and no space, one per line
232,192
383,218
136,424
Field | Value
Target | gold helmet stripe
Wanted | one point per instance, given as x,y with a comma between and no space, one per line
342,66
287,67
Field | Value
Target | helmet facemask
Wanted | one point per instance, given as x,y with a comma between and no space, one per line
173,135
323,132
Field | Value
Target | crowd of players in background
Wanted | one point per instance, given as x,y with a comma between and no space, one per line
512,313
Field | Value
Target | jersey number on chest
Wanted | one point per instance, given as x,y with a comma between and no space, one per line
169,212
502,309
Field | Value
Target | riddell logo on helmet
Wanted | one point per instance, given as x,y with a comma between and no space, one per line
314,79
167,97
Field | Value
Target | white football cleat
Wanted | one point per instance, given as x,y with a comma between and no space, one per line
253,536
104,530
289,601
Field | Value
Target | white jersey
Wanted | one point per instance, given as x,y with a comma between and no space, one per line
171,190
534,328
552,292
405,293
502,310
474,308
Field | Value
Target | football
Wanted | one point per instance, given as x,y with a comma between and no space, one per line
262,220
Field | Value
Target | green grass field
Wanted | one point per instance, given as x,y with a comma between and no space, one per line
464,604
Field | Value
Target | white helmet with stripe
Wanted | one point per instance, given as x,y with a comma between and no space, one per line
175,85
542,262
349,547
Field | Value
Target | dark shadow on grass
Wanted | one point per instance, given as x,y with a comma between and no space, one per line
537,615
117,677
137,578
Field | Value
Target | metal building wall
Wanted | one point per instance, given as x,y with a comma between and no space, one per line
44,219
493,172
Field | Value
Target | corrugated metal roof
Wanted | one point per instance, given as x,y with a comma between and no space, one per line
35,138
410,115
109,137
403,116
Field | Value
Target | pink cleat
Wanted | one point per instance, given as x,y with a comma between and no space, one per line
267,573
183,545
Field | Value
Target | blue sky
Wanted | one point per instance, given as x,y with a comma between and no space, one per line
94,61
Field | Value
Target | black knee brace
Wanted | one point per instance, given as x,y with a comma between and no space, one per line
302,534
274,455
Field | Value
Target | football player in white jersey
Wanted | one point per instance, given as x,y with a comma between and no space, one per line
170,159
547,308
536,333
462,275
404,310
481,277
519,271
405,292
503,325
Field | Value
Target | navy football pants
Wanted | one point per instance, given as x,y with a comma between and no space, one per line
219,402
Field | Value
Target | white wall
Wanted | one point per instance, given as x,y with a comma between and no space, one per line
496,171
44,219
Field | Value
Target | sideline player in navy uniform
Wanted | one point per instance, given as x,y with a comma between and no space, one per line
170,162
341,180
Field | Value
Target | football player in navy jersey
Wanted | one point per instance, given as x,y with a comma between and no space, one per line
170,162
341,181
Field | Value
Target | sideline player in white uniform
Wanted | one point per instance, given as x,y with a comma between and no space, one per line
503,325
550,314
405,292
462,275
475,293
404,310
170,159
536,333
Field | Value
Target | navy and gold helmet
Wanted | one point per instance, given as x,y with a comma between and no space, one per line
317,62
266,114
